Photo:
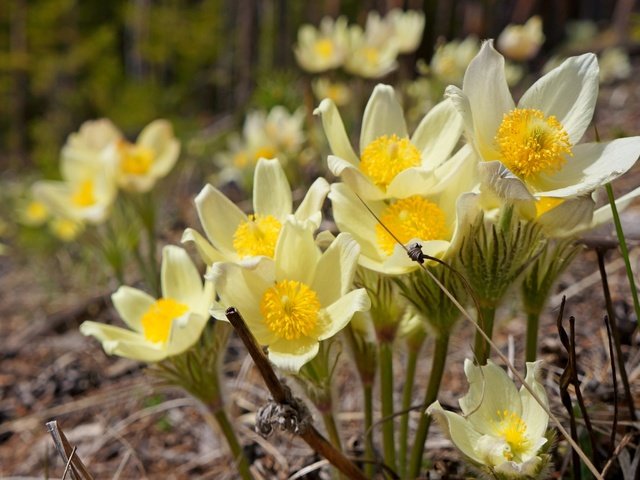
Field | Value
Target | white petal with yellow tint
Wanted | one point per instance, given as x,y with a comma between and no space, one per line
533,414
604,214
131,304
463,436
569,92
291,355
185,331
336,268
118,341
311,206
159,138
271,190
206,251
296,254
383,115
181,280
219,218
438,133
335,132
500,181
353,176
339,313
569,215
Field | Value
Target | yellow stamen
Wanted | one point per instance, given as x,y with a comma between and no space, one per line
386,157
412,217
36,212
513,430
547,203
266,151
290,309
156,322
257,236
324,47
84,195
135,159
530,143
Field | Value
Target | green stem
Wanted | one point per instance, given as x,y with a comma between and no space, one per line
533,324
623,249
332,428
431,395
149,221
386,401
407,392
236,449
367,391
481,347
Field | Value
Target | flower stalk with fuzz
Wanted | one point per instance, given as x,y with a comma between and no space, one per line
158,328
236,237
530,152
501,430
299,298
390,163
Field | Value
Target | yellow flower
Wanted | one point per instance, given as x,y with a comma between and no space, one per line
299,298
158,328
522,42
322,49
140,165
65,229
501,429
236,237
33,213
390,163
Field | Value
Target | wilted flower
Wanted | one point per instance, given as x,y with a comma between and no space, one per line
390,163
163,327
522,42
299,298
529,151
322,49
501,430
240,238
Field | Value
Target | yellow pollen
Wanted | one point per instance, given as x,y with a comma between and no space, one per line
324,48
36,212
257,236
290,309
386,157
530,143
412,217
510,427
156,322
84,196
266,151
135,159
547,203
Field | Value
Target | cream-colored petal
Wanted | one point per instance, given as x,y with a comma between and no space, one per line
353,176
569,215
604,214
500,181
219,217
339,313
383,115
335,270
490,391
467,210
208,254
335,131
485,85
569,92
271,190
461,103
124,343
291,355
180,278
166,159
592,165
311,206
296,253
438,133
185,332
461,433
131,304
533,414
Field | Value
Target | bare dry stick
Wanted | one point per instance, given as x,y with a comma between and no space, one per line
282,396
68,453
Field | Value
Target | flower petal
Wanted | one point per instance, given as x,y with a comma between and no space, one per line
336,268
158,136
335,131
569,92
569,215
208,254
438,133
533,414
340,312
271,190
185,332
219,217
383,115
181,280
291,355
131,304
296,254
124,343
311,206
353,176
501,182
461,433
604,214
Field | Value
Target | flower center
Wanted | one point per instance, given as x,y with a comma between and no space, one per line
412,217
65,229
36,212
371,55
290,309
324,48
266,151
156,322
386,157
135,159
513,430
84,196
257,236
530,143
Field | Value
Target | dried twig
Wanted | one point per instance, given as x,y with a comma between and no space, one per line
68,453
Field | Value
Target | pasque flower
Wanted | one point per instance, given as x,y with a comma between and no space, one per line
522,42
390,163
322,49
299,298
159,328
501,429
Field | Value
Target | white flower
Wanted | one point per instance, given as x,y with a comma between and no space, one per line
338,92
322,49
451,59
163,327
614,65
501,429
370,54
407,28
390,163
522,42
